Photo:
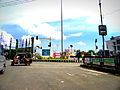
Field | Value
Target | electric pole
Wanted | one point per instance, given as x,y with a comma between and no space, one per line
102,28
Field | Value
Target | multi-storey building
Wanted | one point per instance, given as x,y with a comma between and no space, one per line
113,45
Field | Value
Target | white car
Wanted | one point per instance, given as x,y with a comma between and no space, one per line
2,64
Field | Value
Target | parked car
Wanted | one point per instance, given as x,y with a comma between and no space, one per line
22,58
2,64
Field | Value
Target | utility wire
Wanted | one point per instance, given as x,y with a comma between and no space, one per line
14,2
113,12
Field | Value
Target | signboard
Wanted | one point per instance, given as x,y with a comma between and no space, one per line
102,30
56,55
87,60
45,52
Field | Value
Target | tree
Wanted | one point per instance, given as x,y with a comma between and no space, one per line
71,48
91,51
78,55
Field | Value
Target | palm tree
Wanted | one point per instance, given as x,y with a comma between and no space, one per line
71,48
78,55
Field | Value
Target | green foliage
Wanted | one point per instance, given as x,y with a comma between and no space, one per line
50,57
12,53
91,51
20,50
78,54
39,57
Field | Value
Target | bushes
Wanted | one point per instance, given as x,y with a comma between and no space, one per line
39,57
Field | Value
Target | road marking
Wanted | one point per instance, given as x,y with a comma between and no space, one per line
94,72
91,73
62,81
69,74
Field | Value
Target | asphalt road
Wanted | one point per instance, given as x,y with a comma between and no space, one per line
56,76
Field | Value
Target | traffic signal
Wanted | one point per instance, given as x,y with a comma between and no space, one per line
96,47
49,44
36,37
95,40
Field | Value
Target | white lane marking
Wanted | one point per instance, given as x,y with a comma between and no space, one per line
62,81
69,74
93,71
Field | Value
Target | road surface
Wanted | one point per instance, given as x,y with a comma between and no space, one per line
56,76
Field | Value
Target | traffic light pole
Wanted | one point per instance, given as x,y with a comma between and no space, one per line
32,44
50,49
50,43
96,45
103,45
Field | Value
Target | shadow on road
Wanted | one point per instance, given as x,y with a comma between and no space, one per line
19,65
102,69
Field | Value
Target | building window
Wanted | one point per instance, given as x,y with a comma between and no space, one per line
118,41
113,43
114,48
118,47
107,46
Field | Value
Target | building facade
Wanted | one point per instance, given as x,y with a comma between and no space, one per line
113,45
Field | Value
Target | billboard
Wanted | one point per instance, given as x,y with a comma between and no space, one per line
56,55
45,52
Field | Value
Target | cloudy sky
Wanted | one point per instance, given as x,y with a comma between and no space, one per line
42,18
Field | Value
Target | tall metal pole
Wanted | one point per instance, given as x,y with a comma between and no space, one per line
100,12
102,24
32,45
61,31
50,47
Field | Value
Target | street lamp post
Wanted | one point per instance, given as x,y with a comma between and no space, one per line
61,31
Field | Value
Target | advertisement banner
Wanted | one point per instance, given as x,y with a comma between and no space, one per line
45,52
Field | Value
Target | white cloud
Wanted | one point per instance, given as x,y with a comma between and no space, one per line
28,38
25,37
92,20
45,11
81,43
6,39
40,28
41,11
76,34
